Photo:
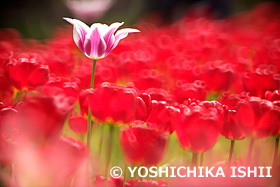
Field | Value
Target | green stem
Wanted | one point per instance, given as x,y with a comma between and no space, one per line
89,129
250,151
93,73
125,174
109,151
230,152
275,157
194,159
201,159
100,140
89,111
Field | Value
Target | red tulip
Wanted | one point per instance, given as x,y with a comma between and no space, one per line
165,117
184,91
216,107
27,71
197,128
258,117
141,109
261,80
231,100
162,116
144,107
57,160
217,75
78,124
131,61
182,68
250,115
272,96
157,107
84,101
148,78
138,143
160,94
43,116
156,112
60,60
66,86
113,103
231,128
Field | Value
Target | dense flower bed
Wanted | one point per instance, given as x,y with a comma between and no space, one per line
163,96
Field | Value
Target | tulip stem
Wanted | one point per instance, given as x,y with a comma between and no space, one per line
101,140
89,112
125,174
89,129
194,159
109,151
93,73
275,158
250,151
230,152
201,159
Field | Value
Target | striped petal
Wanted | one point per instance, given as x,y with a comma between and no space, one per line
103,28
79,32
109,37
95,45
121,34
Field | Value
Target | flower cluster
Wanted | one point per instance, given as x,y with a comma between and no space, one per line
198,83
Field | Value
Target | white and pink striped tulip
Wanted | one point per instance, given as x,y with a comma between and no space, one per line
98,40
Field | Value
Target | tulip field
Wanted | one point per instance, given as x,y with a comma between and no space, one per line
193,103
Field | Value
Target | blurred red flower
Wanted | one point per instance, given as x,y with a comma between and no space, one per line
272,96
231,128
113,103
27,70
261,80
197,127
41,165
258,117
184,90
42,117
139,142
78,124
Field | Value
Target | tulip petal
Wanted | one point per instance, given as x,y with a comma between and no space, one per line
268,124
95,45
39,76
109,37
79,32
103,28
78,124
121,34
141,112
245,117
